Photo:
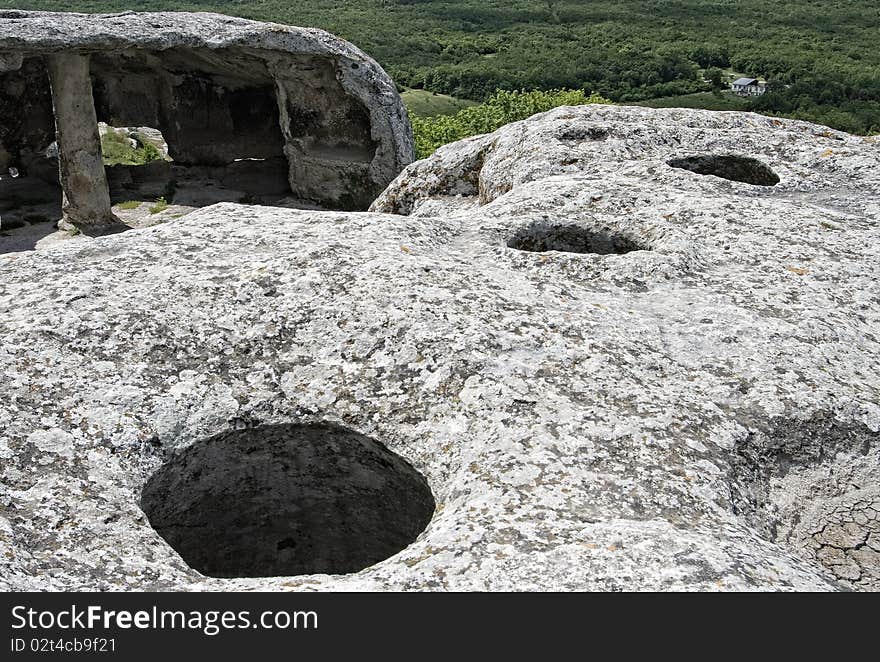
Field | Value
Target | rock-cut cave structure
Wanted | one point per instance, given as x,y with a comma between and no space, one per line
281,112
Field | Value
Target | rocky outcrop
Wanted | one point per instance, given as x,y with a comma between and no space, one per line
226,93
592,368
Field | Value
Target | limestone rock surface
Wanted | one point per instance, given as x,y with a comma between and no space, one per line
613,373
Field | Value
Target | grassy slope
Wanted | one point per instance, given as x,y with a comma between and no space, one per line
430,104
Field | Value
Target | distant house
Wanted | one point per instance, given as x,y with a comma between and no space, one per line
748,87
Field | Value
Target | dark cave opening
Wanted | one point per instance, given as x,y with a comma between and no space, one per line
222,130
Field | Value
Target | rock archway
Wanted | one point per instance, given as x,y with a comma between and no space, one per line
267,111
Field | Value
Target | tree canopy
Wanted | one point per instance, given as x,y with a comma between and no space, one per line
819,56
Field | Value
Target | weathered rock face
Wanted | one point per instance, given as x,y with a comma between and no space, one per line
226,93
612,372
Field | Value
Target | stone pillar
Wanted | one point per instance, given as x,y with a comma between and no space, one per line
292,150
86,204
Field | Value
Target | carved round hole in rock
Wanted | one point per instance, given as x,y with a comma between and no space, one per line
540,238
577,134
728,166
814,486
287,500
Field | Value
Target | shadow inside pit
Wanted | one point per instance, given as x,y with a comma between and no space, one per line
543,237
287,500
728,166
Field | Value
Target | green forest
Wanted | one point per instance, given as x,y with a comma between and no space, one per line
819,57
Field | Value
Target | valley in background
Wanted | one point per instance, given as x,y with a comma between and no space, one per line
820,58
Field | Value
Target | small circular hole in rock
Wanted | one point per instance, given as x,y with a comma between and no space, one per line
728,166
540,238
287,500
578,134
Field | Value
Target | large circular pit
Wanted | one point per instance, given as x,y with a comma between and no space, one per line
287,500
